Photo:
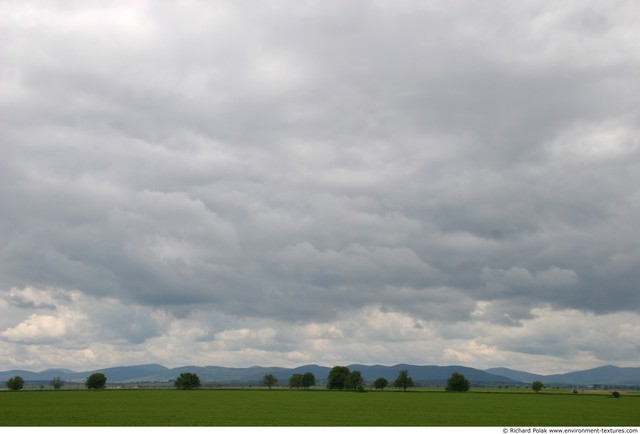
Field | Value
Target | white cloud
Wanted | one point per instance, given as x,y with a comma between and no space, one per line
611,139
37,329
38,298
543,343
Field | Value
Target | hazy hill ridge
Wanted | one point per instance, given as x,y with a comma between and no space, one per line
425,375
604,375
435,375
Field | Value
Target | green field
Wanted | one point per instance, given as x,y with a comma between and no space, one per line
313,408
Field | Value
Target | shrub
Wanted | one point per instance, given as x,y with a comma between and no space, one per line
57,383
96,381
403,381
15,383
308,380
295,381
337,377
269,380
537,386
457,383
187,381
381,383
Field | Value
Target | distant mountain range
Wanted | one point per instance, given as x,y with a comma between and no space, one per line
422,375
603,375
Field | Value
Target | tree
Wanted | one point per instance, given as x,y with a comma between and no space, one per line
15,383
308,380
537,386
337,377
354,381
403,381
187,381
96,381
57,383
380,383
295,381
457,383
269,380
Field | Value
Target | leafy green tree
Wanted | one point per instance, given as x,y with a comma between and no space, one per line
15,383
354,381
269,380
337,377
537,386
403,381
308,380
457,383
96,381
187,381
380,383
295,381
57,383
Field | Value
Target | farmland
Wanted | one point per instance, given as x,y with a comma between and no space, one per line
313,408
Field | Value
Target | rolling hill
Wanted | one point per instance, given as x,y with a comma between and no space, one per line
603,375
427,375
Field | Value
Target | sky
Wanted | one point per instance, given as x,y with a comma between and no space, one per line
290,182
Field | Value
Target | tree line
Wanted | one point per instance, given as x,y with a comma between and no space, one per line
94,381
339,378
342,378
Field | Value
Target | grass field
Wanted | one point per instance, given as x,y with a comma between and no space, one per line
313,408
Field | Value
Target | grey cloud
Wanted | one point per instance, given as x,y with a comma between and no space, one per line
521,277
355,263
300,163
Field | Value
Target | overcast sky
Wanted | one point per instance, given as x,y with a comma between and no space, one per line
280,183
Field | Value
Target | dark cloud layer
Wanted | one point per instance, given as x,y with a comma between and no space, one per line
235,169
